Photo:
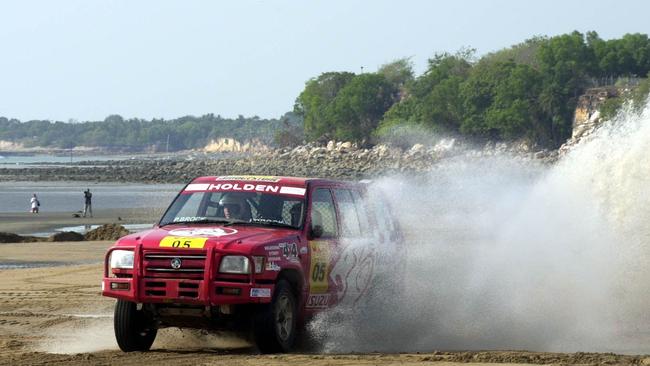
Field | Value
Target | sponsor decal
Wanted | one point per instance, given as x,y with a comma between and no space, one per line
204,232
246,187
260,292
304,250
197,187
274,253
189,218
272,247
259,178
353,272
272,266
319,301
276,259
289,250
183,243
292,190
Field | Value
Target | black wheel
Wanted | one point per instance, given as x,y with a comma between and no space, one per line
134,331
274,329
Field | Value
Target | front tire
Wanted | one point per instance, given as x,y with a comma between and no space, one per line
274,329
134,330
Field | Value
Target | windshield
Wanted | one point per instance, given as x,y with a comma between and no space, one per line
235,208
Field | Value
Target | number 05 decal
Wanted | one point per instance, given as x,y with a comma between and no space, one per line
319,271
182,242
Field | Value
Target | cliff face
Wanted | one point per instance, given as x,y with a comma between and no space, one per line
587,116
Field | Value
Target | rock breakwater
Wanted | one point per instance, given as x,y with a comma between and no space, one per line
336,160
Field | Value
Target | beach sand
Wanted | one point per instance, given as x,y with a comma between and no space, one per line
56,315
26,223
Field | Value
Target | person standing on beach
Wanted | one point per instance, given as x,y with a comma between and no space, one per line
35,204
88,209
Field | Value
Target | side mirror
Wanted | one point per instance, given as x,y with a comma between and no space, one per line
316,231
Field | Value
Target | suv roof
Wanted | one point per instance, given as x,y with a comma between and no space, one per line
290,181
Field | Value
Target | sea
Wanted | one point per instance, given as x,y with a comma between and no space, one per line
68,196
21,160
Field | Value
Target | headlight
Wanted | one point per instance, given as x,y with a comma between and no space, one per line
122,259
234,264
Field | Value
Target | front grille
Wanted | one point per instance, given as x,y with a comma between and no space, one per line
159,265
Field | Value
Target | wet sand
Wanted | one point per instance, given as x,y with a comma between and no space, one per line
57,315
26,223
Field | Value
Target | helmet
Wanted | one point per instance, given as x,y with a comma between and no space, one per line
234,206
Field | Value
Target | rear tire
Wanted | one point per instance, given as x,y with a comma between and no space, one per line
134,330
274,328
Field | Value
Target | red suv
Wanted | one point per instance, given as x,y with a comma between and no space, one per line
250,253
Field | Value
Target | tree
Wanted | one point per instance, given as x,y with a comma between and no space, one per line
565,64
626,56
399,72
360,105
314,102
433,99
501,101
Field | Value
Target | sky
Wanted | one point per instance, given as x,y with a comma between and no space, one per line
84,60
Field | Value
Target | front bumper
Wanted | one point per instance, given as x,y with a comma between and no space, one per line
211,289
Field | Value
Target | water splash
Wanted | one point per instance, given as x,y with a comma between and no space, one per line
505,253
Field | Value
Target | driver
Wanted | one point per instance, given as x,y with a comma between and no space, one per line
234,206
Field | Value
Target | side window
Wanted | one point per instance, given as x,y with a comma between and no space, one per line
349,218
323,213
360,205
212,205
382,213
292,212
191,208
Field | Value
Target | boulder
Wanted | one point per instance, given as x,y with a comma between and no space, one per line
107,232
10,238
66,236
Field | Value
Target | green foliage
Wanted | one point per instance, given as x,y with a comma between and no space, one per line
360,105
433,100
314,103
522,53
565,63
610,107
399,72
137,135
641,94
291,134
629,55
500,100
344,106
529,90
637,98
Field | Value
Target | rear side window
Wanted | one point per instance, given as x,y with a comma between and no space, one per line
323,212
362,212
382,212
349,219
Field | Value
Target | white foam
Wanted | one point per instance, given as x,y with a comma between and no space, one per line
505,253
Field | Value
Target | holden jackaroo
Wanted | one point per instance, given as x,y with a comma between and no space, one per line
253,254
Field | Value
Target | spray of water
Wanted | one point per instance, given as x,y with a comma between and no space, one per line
505,253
